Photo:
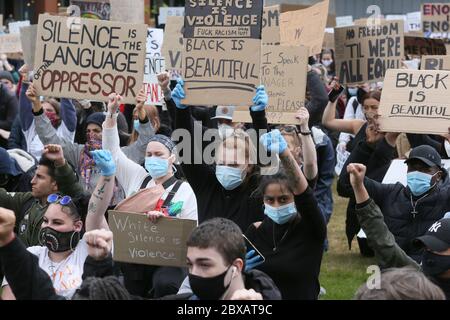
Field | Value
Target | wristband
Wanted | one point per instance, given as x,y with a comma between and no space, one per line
305,133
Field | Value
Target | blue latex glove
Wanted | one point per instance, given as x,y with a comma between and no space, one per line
178,94
104,161
260,100
273,141
252,260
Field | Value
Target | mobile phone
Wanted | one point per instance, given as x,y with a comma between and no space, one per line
334,94
251,246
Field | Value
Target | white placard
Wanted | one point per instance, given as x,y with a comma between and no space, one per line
165,12
14,27
414,21
344,21
398,170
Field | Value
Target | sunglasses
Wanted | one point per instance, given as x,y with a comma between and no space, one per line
56,198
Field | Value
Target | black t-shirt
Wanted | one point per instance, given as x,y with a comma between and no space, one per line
294,264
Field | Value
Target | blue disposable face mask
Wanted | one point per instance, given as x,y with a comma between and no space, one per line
230,178
157,167
136,125
419,182
352,91
280,215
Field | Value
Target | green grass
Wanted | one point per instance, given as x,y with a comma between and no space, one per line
343,271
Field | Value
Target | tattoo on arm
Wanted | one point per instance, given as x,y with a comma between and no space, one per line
291,170
92,209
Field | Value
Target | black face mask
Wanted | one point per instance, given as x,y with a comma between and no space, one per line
209,288
57,241
434,264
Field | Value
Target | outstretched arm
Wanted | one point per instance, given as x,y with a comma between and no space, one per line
308,147
101,198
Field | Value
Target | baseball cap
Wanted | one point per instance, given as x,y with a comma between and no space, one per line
224,112
427,154
437,238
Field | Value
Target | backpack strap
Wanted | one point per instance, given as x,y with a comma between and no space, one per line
145,182
172,193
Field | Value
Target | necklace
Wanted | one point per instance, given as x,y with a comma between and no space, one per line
414,205
282,238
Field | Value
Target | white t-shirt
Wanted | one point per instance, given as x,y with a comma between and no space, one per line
65,275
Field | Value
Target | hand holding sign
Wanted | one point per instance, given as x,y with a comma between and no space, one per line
153,216
303,118
373,135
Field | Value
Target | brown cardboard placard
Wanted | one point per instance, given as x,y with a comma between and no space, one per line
1,20
328,41
172,48
129,11
93,9
419,46
283,74
305,27
222,51
415,101
435,63
90,60
364,53
435,17
28,37
137,240
270,34
10,43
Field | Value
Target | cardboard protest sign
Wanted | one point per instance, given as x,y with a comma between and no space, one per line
270,34
93,9
14,27
414,21
419,46
436,18
222,51
90,60
363,53
305,27
415,101
165,12
1,20
28,37
129,11
154,64
173,46
435,63
328,40
10,43
283,74
137,240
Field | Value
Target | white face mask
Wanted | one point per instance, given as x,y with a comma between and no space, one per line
225,131
447,147
327,63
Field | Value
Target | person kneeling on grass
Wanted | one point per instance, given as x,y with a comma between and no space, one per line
435,243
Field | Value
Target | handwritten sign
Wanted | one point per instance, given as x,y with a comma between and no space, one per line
436,18
415,101
129,11
435,63
14,27
283,74
271,25
154,64
10,43
165,12
364,53
90,60
305,27
222,51
137,240
28,37
419,46
173,46
94,9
